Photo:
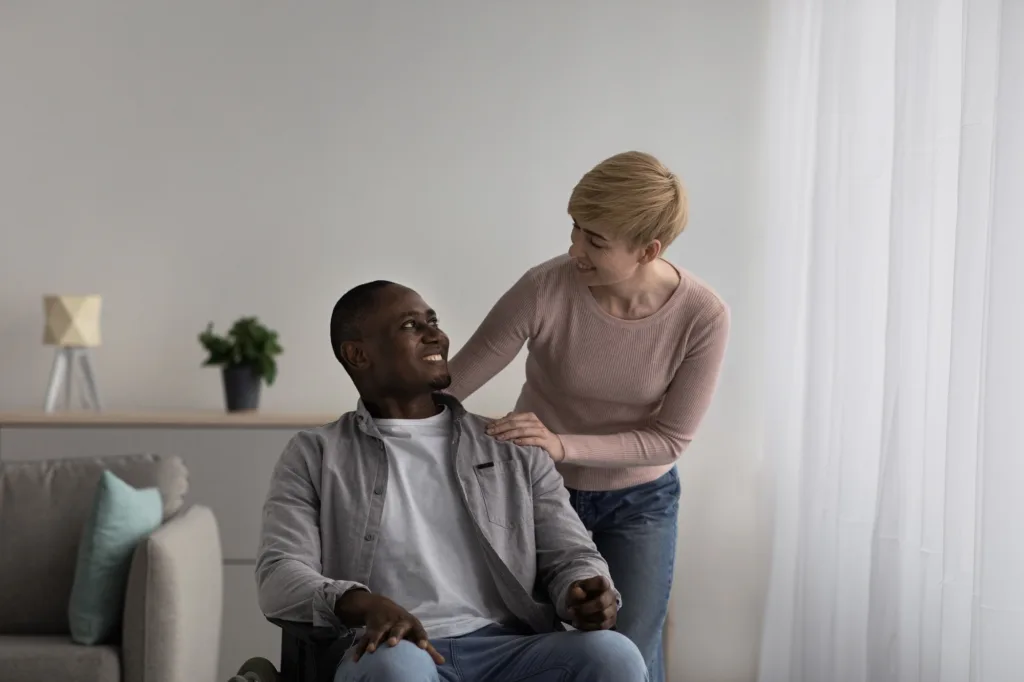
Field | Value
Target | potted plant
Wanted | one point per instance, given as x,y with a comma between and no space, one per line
246,357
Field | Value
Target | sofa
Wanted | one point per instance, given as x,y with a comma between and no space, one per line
171,617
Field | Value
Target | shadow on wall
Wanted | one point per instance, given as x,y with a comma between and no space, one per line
21,342
723,558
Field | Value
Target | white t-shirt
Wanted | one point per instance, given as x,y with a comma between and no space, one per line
428,558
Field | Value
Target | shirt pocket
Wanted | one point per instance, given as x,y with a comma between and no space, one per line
506,493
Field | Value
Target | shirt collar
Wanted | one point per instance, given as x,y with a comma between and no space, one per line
454,406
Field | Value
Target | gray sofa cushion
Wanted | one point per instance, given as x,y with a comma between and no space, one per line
43,507
55,657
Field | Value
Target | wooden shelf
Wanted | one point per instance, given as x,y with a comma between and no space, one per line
169,419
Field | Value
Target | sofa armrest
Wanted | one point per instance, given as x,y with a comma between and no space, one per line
172,613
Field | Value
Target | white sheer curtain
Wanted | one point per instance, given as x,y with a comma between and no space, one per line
895,297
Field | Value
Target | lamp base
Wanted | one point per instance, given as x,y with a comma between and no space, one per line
62,374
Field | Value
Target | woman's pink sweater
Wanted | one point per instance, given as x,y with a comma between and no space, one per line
625,396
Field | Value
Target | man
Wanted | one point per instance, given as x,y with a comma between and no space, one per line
457,555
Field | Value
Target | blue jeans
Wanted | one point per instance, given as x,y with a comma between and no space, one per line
498,654
635,530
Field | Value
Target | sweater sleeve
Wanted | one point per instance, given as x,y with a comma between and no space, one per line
670,432
497,341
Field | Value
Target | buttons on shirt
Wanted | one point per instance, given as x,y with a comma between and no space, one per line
368,537
378,491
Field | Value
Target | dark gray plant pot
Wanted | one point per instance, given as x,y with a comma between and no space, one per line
241,388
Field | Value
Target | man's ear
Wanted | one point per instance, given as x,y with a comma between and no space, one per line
354,355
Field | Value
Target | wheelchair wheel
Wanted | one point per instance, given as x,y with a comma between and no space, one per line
258,670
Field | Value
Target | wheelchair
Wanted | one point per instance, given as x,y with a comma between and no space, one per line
308,654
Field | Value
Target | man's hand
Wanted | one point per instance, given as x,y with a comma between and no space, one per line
384,621
525,428
592,604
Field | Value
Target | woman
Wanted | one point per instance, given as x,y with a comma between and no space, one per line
625,351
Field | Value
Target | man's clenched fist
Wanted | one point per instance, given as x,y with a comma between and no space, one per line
592,604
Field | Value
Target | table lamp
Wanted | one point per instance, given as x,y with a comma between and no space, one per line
73,326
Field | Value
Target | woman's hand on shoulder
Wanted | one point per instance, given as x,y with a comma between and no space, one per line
525,428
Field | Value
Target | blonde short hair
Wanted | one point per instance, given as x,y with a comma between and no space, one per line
635,196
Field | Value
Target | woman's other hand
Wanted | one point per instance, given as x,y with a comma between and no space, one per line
524,428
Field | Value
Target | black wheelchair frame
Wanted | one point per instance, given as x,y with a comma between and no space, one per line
308,654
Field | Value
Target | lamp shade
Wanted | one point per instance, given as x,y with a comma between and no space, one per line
72,321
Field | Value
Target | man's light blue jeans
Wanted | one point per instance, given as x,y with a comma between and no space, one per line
497,654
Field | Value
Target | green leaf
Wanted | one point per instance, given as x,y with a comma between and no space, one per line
248,342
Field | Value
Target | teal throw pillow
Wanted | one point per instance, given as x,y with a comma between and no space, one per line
121,517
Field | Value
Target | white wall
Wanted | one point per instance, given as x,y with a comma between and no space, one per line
197,161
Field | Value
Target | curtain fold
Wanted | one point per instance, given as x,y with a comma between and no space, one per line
895,301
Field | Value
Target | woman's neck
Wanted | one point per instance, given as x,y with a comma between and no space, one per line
639,296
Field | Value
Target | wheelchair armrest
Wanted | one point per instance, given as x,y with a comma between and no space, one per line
310,653
306,632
